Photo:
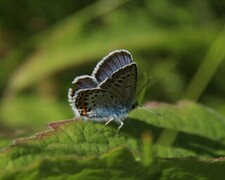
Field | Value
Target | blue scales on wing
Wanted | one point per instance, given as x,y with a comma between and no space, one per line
85,82
98,104
111,63
123,84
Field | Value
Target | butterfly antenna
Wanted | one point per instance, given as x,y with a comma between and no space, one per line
151,111
147,82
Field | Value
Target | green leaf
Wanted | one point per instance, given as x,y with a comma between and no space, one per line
118,163
185,116
191,168
189,127
68,138
147,146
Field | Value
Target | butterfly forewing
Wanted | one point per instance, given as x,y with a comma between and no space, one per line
111,63
123,84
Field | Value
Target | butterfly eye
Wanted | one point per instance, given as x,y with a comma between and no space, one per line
134,105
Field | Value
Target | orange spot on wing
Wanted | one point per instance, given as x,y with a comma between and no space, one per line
83,109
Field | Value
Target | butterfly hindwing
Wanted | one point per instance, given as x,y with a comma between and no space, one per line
96,103
85,81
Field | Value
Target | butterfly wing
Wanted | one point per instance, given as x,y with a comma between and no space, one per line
111,63
97,104
104,69
82,82
85,81
123,84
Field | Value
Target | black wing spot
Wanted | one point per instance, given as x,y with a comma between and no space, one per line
89,109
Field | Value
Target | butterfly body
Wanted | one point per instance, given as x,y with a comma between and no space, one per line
109,93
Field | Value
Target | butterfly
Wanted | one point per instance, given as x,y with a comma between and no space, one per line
109,93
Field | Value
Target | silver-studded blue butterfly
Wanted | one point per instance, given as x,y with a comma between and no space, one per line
109,93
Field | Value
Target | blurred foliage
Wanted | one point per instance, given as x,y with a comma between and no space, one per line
21,20
173,48
45,45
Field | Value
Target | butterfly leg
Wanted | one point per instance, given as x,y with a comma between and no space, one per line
107,122
110,120
121,124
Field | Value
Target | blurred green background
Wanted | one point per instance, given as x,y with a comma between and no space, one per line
44,45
